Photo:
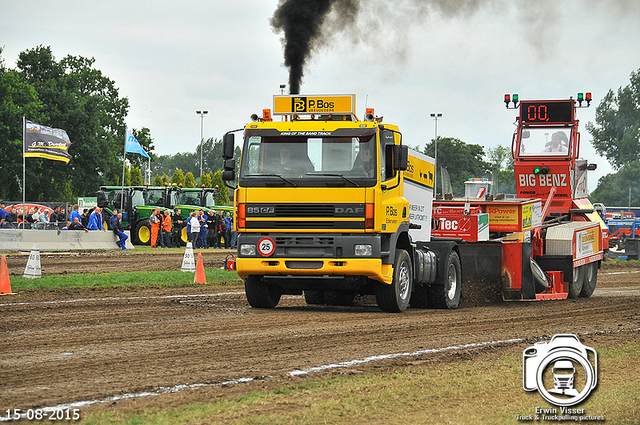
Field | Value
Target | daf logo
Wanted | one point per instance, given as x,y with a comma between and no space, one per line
349,210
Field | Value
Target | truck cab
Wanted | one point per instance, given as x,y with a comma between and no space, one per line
321,206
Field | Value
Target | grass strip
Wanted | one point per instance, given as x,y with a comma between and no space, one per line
215,277
474,391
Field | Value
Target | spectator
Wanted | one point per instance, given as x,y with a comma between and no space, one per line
202,218
212,239
154,220
3,214
178,225
166,228
233,233
76,225
43,219
95,220
227,235
31,218
116,225
57,217
191,214
75,213
221,229
84,217
195,227
12,218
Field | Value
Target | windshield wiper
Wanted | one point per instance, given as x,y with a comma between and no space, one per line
334,175
272,175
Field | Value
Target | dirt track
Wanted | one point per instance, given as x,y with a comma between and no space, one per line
82,345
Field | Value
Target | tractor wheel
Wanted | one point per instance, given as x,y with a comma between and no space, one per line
575,286
106,219
395,297
143,232
590,279
343,298
445,292
183,236
259,294
314,297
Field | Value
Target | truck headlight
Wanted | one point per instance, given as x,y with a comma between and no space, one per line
247,249
363,250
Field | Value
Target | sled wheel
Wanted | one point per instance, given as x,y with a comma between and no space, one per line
575,286
590,279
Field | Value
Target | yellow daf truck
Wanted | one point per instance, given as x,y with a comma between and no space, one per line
332,206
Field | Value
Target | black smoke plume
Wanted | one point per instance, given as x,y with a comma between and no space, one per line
302,22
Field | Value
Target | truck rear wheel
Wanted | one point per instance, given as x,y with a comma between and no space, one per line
395,297
590,279
259,294
445,292
343,298
575,286
314,297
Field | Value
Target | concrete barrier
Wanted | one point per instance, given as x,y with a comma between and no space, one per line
58,240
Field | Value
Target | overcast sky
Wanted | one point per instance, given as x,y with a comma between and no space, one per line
405,58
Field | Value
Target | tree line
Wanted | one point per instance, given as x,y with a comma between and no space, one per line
71,94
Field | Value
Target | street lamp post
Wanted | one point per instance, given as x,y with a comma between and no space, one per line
435,117
202,114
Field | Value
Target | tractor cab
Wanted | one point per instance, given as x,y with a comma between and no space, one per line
546,150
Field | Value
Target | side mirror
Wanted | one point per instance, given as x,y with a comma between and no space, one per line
228,145
228,175
229,164
400,157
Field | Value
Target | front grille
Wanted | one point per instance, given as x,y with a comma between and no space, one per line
304,210
314,265
304,240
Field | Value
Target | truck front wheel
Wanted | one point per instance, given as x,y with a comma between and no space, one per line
259,294
445,292
395,297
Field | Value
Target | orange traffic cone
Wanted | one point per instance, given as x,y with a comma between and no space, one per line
200,276
5,283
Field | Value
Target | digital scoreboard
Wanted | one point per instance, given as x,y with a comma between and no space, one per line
547,112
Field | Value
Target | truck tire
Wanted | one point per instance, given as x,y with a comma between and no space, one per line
143,232
342,298
314,297
259,294
395,298
445,292
575,285
590,279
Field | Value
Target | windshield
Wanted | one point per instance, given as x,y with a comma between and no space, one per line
190,198
316,158
153,197
541,141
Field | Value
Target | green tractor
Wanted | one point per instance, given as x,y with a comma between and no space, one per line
195,199
136,203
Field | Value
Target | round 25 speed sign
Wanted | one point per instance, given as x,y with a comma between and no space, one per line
266,247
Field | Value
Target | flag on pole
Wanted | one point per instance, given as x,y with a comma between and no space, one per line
133,146
46,142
